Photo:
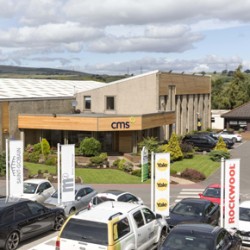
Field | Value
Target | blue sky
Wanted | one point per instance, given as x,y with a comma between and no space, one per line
126,36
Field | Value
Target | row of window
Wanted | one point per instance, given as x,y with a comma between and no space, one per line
110,102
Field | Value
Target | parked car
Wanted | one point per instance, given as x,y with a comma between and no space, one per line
37,189
201,237
194,210
244,222
212,193
230,134
113,225
115,195
200,141
83,195
21,219
228,141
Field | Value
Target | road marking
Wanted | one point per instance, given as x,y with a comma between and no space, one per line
189,193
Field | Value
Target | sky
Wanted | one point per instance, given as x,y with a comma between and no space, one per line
126,36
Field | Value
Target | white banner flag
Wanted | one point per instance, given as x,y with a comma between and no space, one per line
68,172
162,183
232,193
16,168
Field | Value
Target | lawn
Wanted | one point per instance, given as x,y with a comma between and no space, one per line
201,163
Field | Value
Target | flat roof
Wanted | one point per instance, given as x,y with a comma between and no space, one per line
43,88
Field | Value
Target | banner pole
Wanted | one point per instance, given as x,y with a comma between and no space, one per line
152,181
7,166
58,174
222,183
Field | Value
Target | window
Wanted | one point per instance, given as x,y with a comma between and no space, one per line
21,212
122,228
149,216
87,102
35,208
138,219
110,102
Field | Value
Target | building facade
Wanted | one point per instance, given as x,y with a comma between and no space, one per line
121,113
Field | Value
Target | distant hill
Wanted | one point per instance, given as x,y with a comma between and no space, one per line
50,73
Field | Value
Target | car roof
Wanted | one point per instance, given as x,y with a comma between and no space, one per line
245,204
201,228
104,211
195,200
114,192
36,181
214,185
9,201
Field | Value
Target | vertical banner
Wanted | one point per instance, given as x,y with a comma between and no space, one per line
16,168
162,183
68,172
144,164
232,193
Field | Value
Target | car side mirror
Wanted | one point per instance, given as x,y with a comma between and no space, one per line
78,198
200,194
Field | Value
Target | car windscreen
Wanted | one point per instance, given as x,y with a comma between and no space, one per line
244,214
212,192
181,240
187,209
29,188
86,231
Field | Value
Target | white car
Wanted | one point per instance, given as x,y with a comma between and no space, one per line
244,222
230,135
37,189
115,195
113,225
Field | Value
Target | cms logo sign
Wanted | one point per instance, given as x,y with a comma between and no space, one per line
120,125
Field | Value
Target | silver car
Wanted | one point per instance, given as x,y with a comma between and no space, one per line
83,195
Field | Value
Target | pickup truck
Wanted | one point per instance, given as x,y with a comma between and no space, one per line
113,225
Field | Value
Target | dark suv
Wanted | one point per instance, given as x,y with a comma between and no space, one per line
202,142
21,219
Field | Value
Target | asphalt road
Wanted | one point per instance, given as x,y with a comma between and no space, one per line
240,151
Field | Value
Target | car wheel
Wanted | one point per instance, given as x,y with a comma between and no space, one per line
12,241
59,220
234,140
72,211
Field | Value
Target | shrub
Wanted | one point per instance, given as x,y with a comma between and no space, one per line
90,147
136,172
216,155
34,156
221,145
172,171
173,147
121,164
2,163
116,162
96,160
151,143
45,147
193,175
51,160
187,150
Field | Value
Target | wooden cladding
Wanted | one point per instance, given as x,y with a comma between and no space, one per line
185,84
82,123
4,107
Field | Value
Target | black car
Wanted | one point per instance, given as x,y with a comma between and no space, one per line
21,219
200,142
200,237
229,142
194,210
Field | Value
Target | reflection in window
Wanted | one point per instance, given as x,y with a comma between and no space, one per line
87,102
110,103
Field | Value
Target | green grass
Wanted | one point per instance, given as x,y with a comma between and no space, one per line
201,163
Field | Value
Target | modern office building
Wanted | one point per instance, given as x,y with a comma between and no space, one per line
119,114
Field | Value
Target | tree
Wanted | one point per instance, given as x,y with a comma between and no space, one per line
2,163
151,143
173,147
90,147
221,145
